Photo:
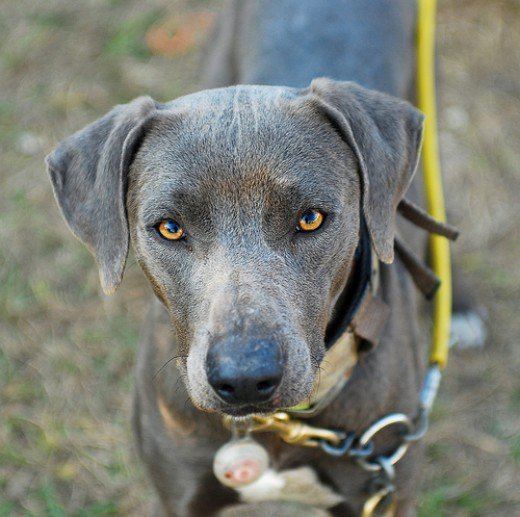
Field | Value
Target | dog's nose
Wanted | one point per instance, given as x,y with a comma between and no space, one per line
244,373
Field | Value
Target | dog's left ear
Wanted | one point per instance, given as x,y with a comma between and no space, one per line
385,134
89,172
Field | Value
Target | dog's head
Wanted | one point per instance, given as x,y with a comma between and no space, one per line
243,206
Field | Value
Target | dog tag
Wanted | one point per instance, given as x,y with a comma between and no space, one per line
240,462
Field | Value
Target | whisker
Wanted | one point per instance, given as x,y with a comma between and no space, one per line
166,364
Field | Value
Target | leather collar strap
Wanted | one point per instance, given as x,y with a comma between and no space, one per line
363,278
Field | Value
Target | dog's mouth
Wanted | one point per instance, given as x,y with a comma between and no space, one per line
249,409
277,403
246,411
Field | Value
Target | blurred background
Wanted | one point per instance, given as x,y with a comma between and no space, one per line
67,352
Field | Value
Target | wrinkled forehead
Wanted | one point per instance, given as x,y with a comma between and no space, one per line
246,139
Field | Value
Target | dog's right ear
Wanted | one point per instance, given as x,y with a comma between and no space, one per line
88,171
385,134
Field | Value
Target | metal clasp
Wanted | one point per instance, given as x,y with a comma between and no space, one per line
377,499
294,432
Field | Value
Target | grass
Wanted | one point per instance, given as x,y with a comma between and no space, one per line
443,501
128,38
67,352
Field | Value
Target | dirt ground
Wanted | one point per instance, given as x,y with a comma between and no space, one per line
67,352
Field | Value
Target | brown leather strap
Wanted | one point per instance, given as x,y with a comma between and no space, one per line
370,319
420,218
423,277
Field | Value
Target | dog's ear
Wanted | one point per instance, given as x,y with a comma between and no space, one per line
385,134
88,171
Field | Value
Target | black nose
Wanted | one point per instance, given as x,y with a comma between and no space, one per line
244,373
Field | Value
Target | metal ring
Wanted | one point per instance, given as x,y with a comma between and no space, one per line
392,459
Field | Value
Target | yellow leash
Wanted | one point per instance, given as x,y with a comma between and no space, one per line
439,246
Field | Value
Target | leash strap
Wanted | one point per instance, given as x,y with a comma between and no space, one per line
369,321
439,247
423,277
416,215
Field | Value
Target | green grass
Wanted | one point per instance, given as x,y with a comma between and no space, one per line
441,501
128,37
515,449
433,503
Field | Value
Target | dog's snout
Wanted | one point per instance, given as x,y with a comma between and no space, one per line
244,372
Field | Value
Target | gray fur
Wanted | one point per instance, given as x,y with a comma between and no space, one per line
291,42
234,166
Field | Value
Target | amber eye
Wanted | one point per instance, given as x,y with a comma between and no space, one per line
310,220
170,230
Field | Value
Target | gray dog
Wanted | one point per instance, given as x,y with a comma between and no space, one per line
244,206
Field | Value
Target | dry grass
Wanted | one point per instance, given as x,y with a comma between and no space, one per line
67,352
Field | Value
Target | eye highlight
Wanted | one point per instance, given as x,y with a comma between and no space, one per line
168,229
310,220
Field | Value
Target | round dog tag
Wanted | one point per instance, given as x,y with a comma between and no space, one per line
240,462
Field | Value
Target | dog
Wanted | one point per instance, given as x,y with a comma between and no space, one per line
244,205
